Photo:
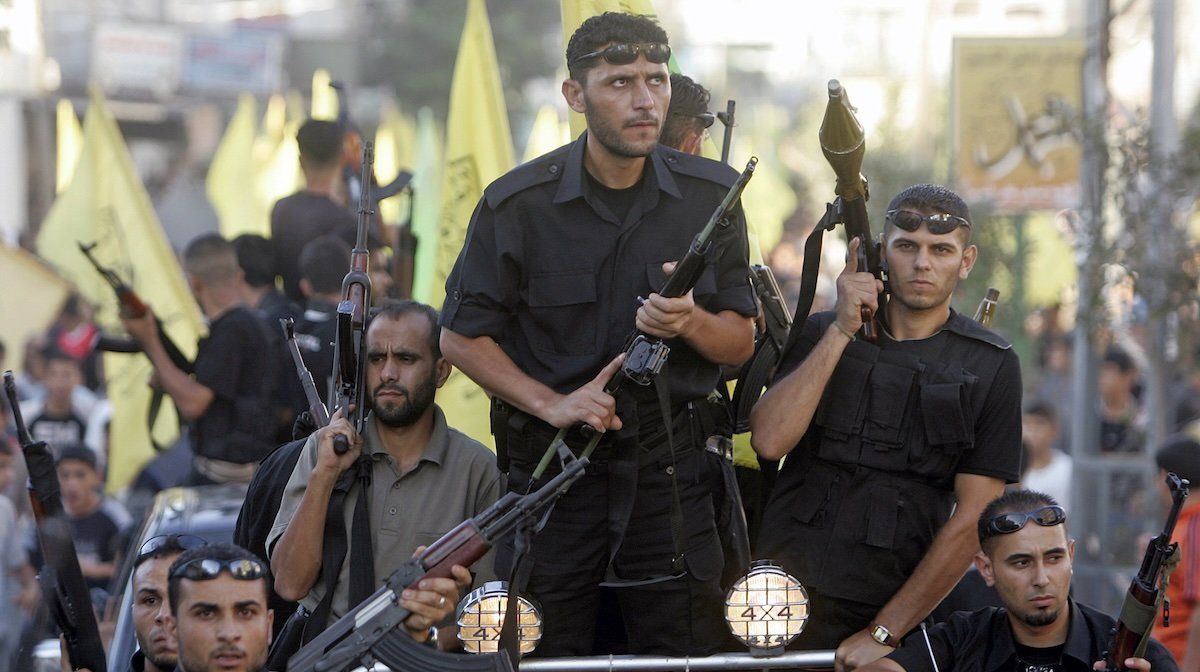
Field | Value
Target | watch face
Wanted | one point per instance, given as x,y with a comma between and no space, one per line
880,634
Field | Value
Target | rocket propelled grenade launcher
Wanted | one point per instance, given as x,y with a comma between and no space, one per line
844,144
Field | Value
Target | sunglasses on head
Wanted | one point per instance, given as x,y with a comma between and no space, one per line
625,53
1007,523
206,569
938,224
706,119
180,542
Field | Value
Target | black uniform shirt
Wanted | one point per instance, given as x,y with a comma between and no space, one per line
983,641
235,361
550,273
298,219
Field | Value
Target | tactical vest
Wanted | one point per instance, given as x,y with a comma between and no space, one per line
860,499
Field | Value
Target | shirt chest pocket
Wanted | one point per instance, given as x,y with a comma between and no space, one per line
562,309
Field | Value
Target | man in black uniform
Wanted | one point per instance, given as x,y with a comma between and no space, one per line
544,294
323,264
886,439
235,379
1027,556
688,118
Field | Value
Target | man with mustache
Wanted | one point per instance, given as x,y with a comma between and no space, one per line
562,261
1026,554
425,478
894,447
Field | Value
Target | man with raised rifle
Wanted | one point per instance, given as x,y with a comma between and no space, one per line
426,478
893,447
1026,554
547,288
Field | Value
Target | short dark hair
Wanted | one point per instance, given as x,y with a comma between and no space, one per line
79,453
320,142
53,353
256,258
1180,455
602,29
170,546
1044,410
1012,501
689,100
930,197
1119,358
323,262
394,309
211,258
208,552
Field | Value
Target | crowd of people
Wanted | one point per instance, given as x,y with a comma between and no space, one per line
911,459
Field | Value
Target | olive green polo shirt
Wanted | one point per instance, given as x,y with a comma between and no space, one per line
455,479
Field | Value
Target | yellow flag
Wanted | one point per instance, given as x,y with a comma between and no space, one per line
107,204
33,294
478,150
233,168
70,141
548,133
324,98
575,12
427,186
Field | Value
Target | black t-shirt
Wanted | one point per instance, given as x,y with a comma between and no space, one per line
237,363
619,201
57,431
298,219
983,640
1032,659
552,274
315,333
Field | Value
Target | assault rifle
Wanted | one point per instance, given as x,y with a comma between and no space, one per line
645,355
1146,591
316,409
753,376
372,629
350,343
132,306
62,579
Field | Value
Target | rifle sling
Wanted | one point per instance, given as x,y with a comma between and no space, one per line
334,550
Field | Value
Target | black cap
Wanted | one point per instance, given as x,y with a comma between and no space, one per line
1180,455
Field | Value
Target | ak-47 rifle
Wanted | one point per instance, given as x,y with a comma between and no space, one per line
132,306
350,343
727,120
62,579
755,373
1146,591
844,143
371,630
316,409
645,355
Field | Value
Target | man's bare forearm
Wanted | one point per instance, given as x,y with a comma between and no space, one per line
296,558
191,397
784,413
485,363
724,338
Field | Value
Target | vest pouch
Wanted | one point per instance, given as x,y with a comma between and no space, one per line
883,511
842,406
946,416
890,394
809,500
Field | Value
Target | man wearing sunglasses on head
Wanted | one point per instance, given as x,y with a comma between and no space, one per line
562,261
1026,554
893,447
688,119
157,651
219,615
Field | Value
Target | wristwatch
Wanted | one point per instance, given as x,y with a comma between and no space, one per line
884,636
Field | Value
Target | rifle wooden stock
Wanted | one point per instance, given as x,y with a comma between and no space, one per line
1146,592
68,597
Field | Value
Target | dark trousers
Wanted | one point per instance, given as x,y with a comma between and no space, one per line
570,558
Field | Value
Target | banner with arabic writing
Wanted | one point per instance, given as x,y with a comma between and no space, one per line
1016,122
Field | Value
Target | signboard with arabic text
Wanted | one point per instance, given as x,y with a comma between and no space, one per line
1016,122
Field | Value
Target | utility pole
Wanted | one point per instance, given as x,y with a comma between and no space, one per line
1164,144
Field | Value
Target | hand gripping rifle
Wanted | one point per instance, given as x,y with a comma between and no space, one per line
645,355
350,343
62,579
132,306
372,629
1147,590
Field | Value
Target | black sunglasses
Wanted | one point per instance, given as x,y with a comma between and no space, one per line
938,224
1007,523
176,542
206,569
706,119
625,53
